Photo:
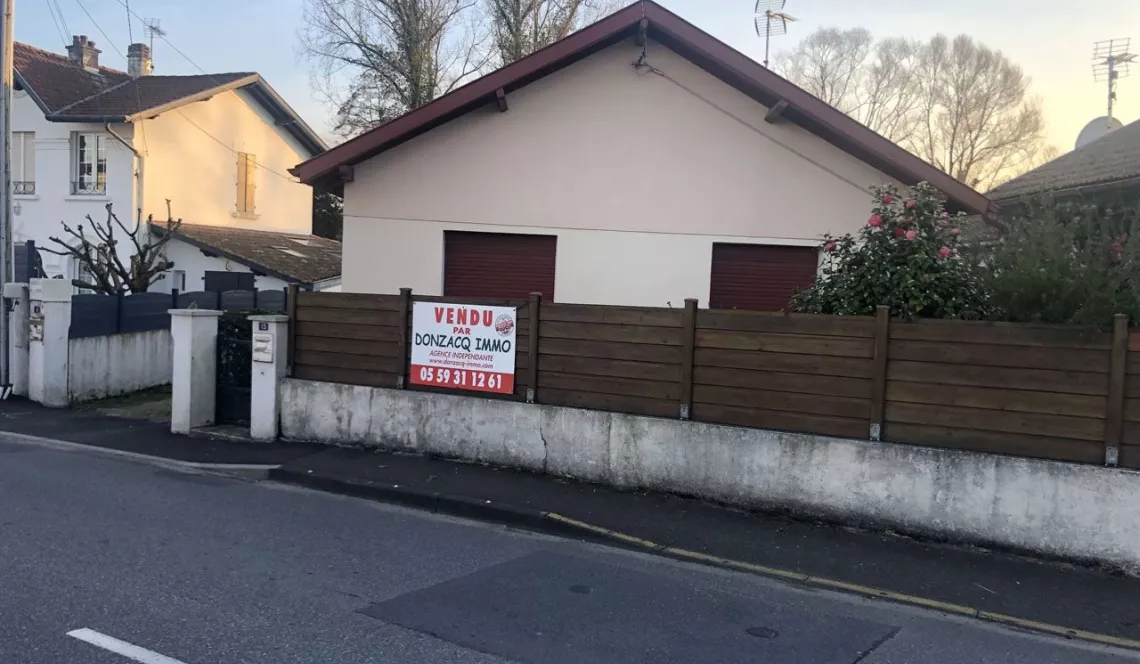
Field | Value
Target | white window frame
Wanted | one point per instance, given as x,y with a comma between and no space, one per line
89,164
24,163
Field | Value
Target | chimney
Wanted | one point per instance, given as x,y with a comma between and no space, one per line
83,52
138,60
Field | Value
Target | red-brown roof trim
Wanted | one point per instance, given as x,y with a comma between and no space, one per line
721,60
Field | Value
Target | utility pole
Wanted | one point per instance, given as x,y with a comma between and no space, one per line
7,32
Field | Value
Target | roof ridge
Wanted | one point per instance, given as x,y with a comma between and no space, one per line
66,58
104,91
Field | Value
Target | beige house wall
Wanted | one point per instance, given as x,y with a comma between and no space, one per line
637,173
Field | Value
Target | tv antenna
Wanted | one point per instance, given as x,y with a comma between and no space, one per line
1111,59
770,19
151,25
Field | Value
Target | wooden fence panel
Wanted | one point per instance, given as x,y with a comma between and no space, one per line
1130,434
775,323
1028,390
793,372
626,359
347,338
366,301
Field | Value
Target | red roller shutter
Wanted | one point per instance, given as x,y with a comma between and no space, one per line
759,277
498,264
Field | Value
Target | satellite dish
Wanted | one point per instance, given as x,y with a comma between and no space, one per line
1096,129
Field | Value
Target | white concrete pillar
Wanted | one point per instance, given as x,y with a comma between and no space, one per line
270,357
49,322
194,333
17,293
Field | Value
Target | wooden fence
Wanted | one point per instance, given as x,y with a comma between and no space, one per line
1063,393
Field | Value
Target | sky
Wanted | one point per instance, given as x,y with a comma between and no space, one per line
1051,40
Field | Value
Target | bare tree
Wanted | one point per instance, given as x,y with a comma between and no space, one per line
521,27
959,105
377,59
98,254
829,63
979,122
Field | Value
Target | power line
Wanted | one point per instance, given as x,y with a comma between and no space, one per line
227,146
62,20
130,31
138,98
96,24
126,4
62,32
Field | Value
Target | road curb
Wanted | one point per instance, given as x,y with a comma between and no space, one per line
440,503
248,470
557,524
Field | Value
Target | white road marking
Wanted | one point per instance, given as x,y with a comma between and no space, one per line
128,650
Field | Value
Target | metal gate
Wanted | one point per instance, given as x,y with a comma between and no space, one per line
235,354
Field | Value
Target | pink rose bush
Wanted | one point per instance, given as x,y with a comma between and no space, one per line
910,256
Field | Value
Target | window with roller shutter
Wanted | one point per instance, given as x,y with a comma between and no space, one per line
498,264
759,277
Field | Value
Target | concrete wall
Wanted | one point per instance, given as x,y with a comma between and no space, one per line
637,174
1050,508
118,364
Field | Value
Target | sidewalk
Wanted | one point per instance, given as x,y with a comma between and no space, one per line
1059,594
138,436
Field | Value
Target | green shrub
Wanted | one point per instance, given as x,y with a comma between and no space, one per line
909,256
1067,263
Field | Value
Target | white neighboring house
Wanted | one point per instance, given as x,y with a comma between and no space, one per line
217,146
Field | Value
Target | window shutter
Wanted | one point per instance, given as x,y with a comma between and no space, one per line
250,181
241,176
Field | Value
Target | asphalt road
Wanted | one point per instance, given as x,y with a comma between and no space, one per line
104,560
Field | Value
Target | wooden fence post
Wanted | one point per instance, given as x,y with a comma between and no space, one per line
291,311
688,349
879,370
532,347
1114,411
405,311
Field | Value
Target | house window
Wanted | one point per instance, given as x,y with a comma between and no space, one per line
246,183
24,163
90,164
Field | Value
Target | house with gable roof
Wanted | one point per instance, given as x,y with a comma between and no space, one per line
639,161
216,146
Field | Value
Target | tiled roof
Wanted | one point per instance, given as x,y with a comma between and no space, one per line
293,256
1111,158
57,81
147,92
71,91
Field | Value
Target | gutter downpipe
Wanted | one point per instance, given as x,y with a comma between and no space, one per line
140,162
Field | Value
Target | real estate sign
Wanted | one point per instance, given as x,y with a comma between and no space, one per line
463,346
